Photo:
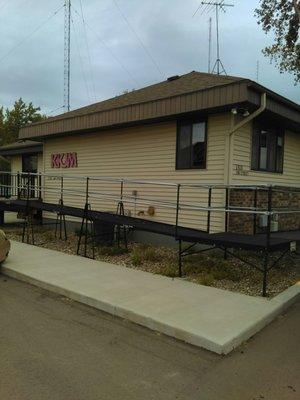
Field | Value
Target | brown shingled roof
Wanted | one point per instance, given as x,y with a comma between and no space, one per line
173,86
20,147
20,144
177,96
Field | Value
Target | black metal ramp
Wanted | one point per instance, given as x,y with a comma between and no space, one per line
278,241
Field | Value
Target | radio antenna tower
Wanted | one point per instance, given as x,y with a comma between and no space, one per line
210,6
209,45
67,53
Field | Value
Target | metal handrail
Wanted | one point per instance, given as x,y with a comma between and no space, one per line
178,205
275,187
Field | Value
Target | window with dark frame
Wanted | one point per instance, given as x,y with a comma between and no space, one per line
267,148
191,144
29,163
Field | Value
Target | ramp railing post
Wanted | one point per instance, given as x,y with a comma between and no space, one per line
86,219
176,231
40,186
85,224
208,212
180,258
121,211
255,209
18,185
60,217
268,239
28,224
226,217
177,209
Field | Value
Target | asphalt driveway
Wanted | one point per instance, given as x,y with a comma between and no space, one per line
54,348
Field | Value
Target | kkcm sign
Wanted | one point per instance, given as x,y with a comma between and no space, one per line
64,160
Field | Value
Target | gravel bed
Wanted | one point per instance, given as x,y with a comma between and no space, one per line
208,268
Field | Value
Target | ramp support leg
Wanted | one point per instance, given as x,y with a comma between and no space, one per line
180,258
265,274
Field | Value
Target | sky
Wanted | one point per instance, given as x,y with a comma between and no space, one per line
122,45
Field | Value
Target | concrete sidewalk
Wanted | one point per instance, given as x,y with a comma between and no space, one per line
215,319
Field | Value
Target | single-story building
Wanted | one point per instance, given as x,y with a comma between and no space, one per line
24,156
195,128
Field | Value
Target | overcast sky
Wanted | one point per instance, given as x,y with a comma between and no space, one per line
168,41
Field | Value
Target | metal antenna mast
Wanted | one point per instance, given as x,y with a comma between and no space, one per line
209,45
218,67
67,52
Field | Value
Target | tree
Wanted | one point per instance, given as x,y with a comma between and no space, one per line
4,164
282,17
11,120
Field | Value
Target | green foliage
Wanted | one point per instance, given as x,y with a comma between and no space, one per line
136,259
112,250
151,254
11,120
283,19
206,279
211,266
170,270
146,252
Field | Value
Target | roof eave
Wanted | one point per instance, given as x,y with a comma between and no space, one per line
198,101
22,150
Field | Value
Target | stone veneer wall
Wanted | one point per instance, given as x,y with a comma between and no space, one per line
281,199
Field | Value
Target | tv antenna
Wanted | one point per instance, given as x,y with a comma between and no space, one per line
67,53
210,6
257,70
209,44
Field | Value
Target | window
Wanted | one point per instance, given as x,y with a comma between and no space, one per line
29,163
191,144
267,148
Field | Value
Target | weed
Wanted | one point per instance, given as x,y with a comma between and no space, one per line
147,252
169,270
211,267
136,259
150,254
112,250
205,279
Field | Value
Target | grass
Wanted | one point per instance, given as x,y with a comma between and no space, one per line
136,259
170,270
206,268
211,267
144,252
111,250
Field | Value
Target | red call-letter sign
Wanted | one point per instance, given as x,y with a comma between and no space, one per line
64,160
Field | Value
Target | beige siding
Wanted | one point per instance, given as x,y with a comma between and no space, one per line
242,157
16,163
40,162
144,153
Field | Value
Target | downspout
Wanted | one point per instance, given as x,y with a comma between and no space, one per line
234,128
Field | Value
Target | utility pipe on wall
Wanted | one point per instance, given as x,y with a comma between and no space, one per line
235,127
